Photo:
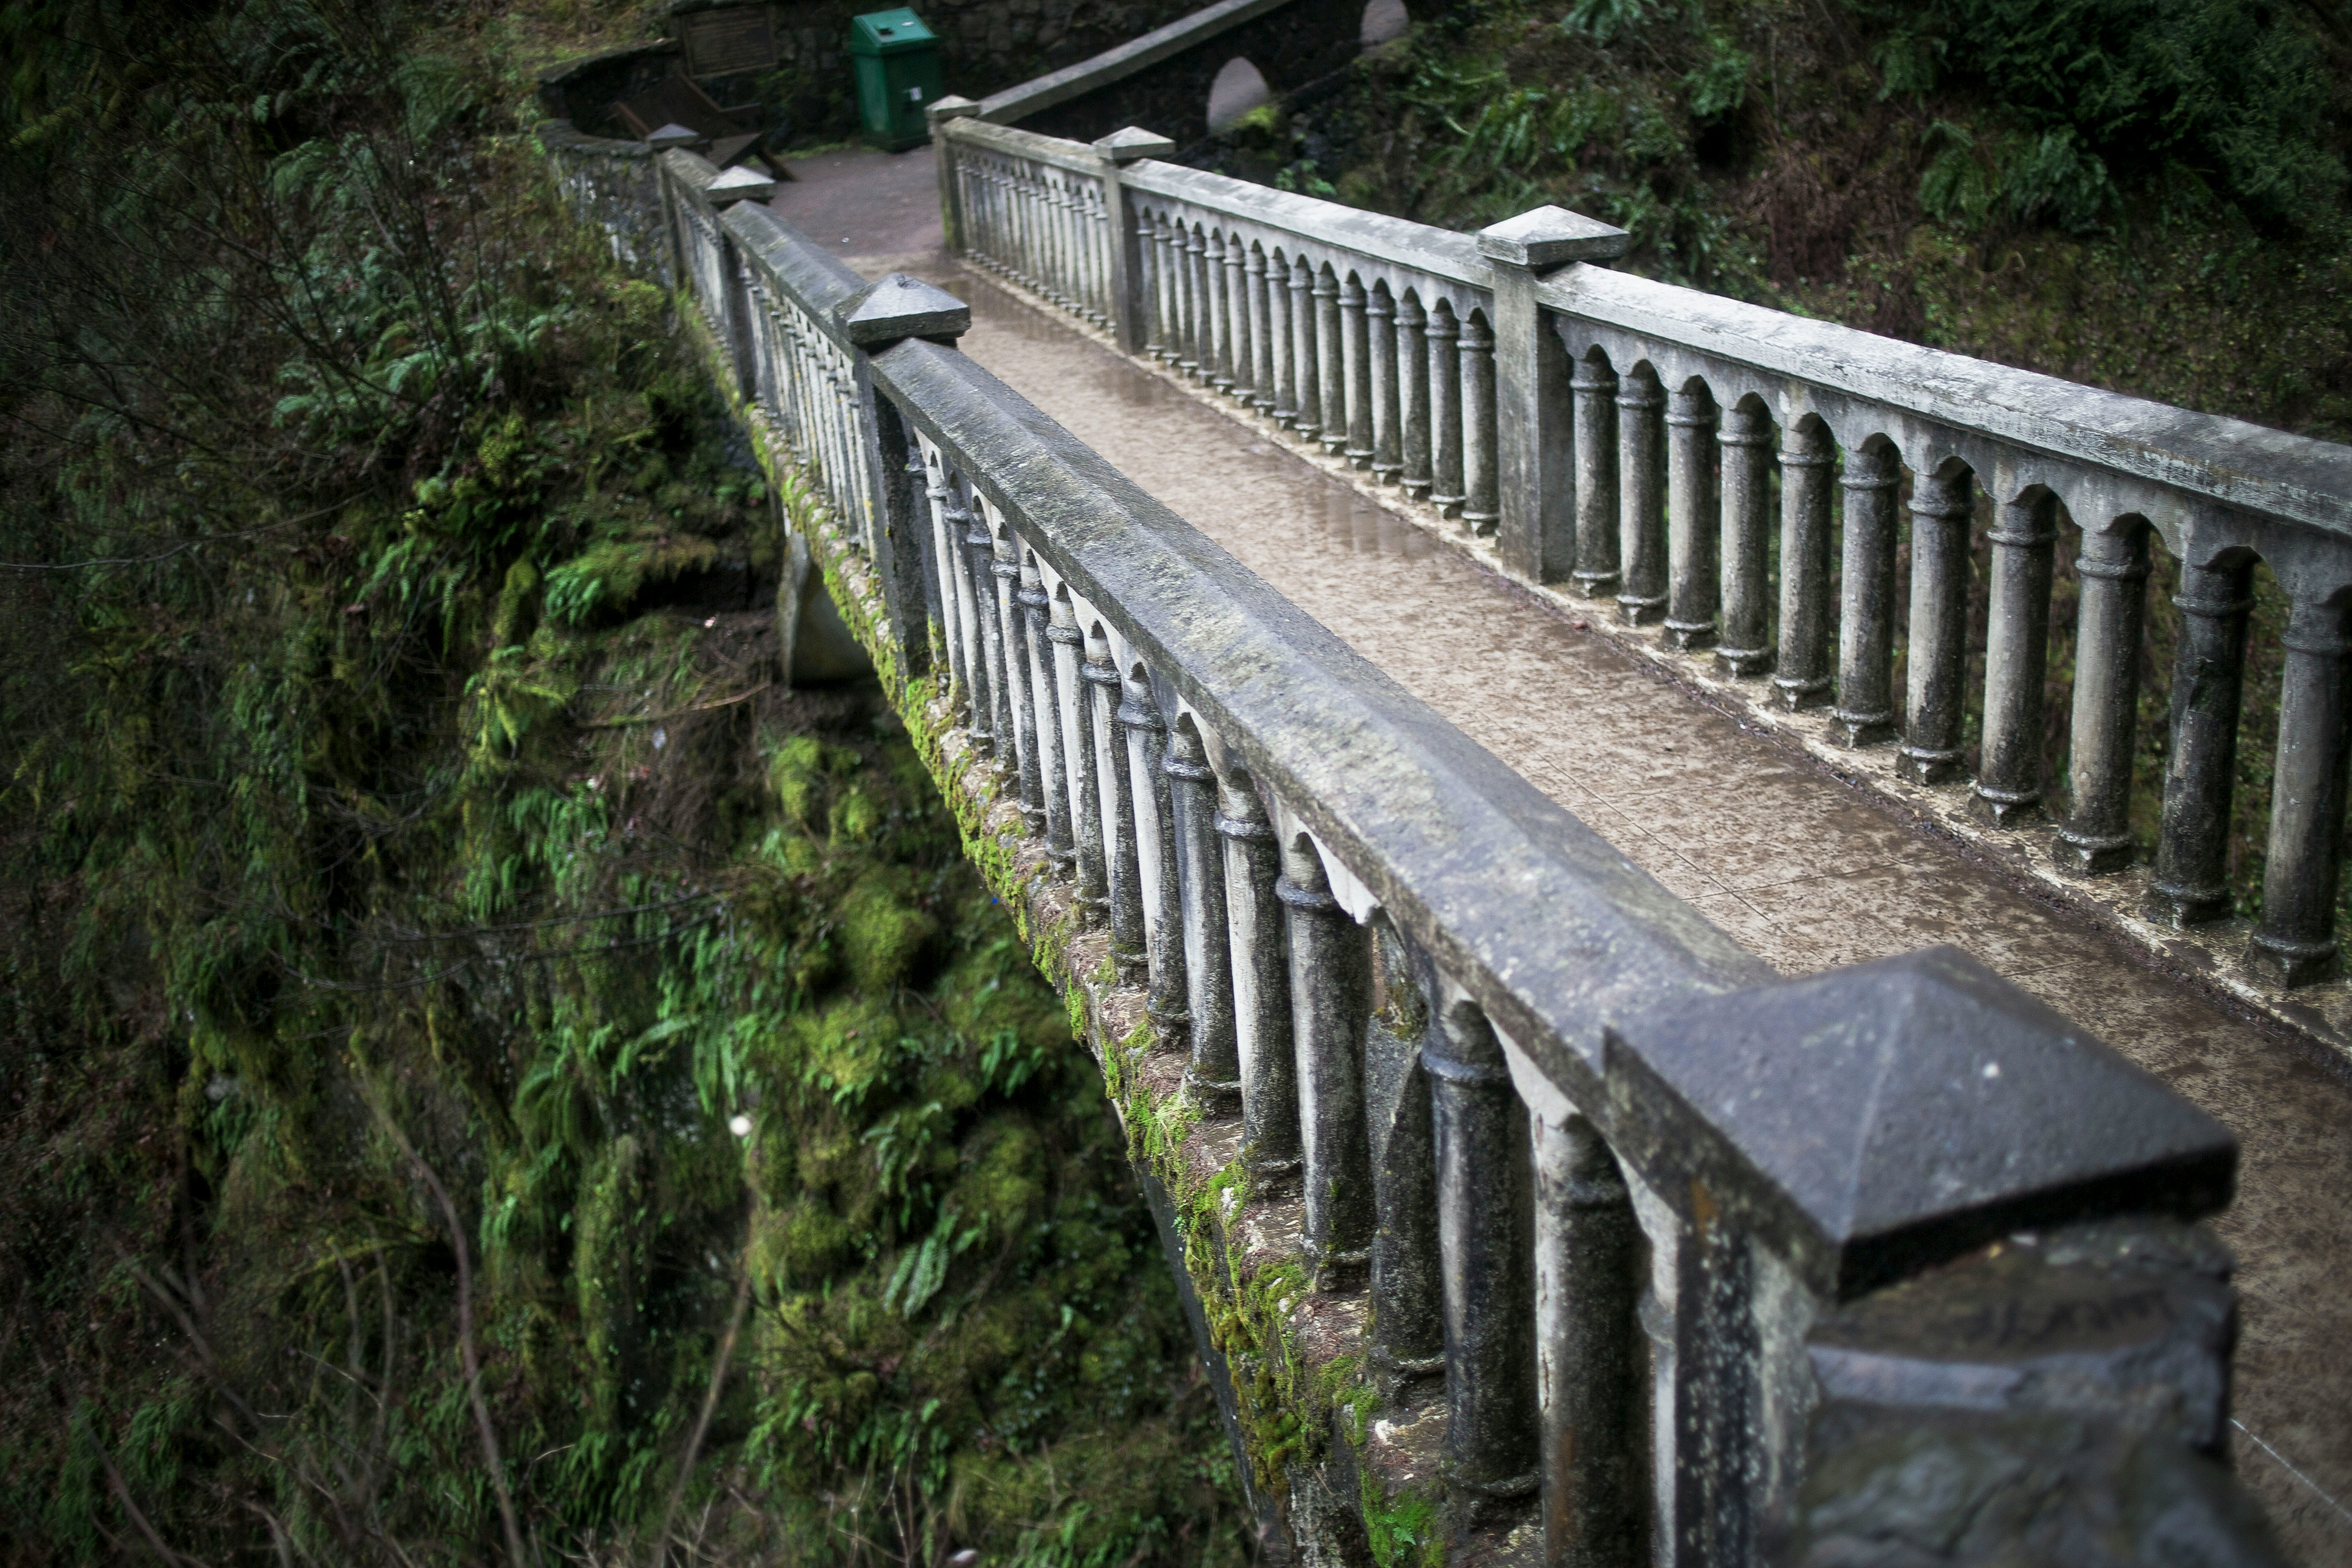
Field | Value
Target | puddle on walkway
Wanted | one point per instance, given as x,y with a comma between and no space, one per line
1795,866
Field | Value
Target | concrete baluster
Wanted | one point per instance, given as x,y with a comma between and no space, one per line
1641,512
1096,239
1016,712
1021,218
1694,521
1444,333
1408,1298
1069,262
1282,339
1330,362
1485,1238
1746,437
1239,354
1482,507
1592,386
1864,712
988,180
1590,1359
1356,371
1412,394
2114,566
1330,1000
1038,217
1217,337
2295,945
1303,359
1380,327
947,528
1046,705
2192,849
1113,811
2017,658
1143,278
1200,346
1167,327
976,586
1942,507
1081,753
1029,208
1100,239
1053,236
1079,197
1807,459
1214,1068
1155,841
1262,338
1069,266
1261,969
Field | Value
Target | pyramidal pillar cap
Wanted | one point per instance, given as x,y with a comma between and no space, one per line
1874,1119
741,184
954,106
1130,142
673,135
897,307
1550,236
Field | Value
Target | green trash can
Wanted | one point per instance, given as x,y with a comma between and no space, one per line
897,63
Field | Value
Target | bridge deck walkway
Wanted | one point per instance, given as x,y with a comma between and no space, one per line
1802,869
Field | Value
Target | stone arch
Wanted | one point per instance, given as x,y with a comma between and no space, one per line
1239,87
1382,20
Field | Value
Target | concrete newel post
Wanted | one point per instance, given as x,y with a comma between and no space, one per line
1813,1141
1131,310
950,108
730,187
1534,429
888,311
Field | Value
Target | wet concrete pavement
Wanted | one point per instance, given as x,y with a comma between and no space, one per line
1797,866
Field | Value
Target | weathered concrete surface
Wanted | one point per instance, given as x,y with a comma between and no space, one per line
1799,867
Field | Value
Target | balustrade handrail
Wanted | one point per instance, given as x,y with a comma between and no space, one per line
1439,252
1554,930
1619,437
1012,140
1224,781
2297,478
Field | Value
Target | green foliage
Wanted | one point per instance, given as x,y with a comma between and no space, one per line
2045,186
2024,178
398,801
2234,94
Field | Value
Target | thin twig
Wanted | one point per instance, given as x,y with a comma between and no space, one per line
466,1350
122,1491
673,713
709,1403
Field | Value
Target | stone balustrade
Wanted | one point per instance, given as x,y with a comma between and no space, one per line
1749,483
1633,1252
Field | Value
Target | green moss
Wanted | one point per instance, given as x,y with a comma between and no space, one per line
881,936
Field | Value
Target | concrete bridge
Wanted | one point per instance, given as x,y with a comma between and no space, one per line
1613,1087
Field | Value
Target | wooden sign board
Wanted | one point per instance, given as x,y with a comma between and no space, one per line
728,39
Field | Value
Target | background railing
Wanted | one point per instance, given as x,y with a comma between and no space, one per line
1642,1219
1750,482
